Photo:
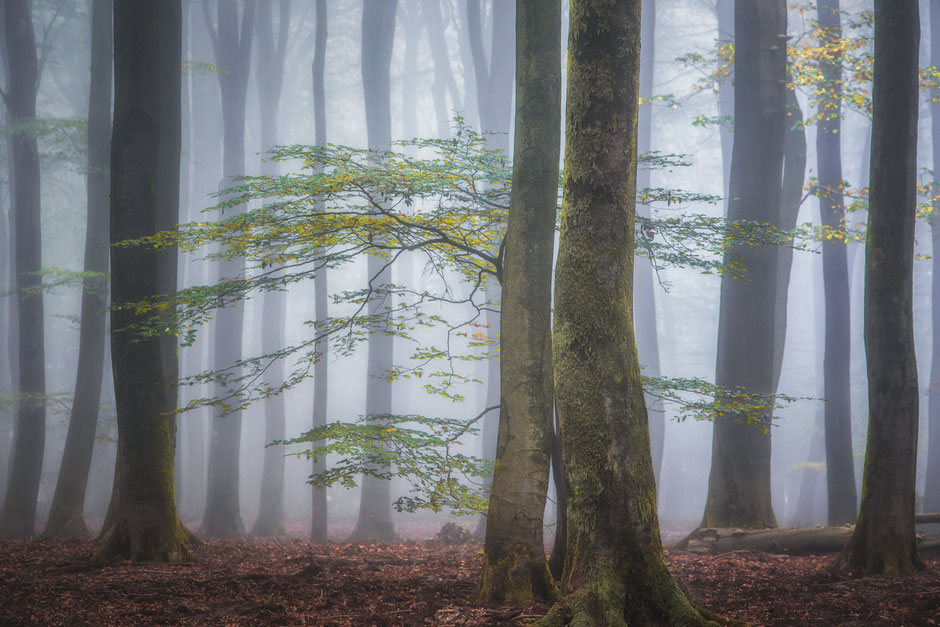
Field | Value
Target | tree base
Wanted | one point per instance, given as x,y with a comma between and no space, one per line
71,528
373,531
893,557
229,528
517,578
145,543
268,527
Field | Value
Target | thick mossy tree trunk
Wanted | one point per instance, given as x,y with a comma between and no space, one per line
515,570
272,48
378,38
884,541
232,46
66,516
840,468
19,504
143,524
739,481
615,572
932,479
318,523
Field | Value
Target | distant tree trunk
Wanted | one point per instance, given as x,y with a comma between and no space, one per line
932,480
409,14
883,541
646,328
443,75
378,38
143,525
66,516
19,504
739,481
232,46
615,572
271,54
494,83
805,514
840,472
318,526
514,567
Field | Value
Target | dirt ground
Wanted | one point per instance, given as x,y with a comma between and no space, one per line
416,583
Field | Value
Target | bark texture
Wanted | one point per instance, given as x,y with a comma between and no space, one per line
840,468
66,516
883,541
514,567
739,481
143,523
615,573
19,504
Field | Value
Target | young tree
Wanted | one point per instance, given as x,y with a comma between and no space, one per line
932,479
66,516
883,541
143,524
514,567
272,48
840,467
615,572
19,505
739,481
378,38
321,369
232,46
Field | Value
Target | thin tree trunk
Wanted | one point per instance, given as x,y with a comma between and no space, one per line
378,38
19,504
66,516
739,481
883,541
318,526
444,82
271,54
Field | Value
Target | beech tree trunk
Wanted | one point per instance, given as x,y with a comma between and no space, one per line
66,516
143,523
17,517
615,572
271,54
232,46
883,541
378,38
318,526
932,479
840,468
739,481
515,570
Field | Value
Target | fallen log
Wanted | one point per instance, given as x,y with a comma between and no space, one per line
923,519
806,541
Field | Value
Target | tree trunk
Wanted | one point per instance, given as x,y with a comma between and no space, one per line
647,340
271,54
883,541
66,516
443,75
233,57
318,525
725,10
144,525
932,479
739,481
615,572
19,504
840,471
378,38
514,567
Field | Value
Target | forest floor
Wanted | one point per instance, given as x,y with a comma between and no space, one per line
293,582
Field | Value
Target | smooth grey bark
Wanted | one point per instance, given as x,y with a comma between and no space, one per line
19,504
143,524
66,515
883,541
515,570
647,341
378,38
725,10
231,43
840,468
272,50
739,480
932,478
318,525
